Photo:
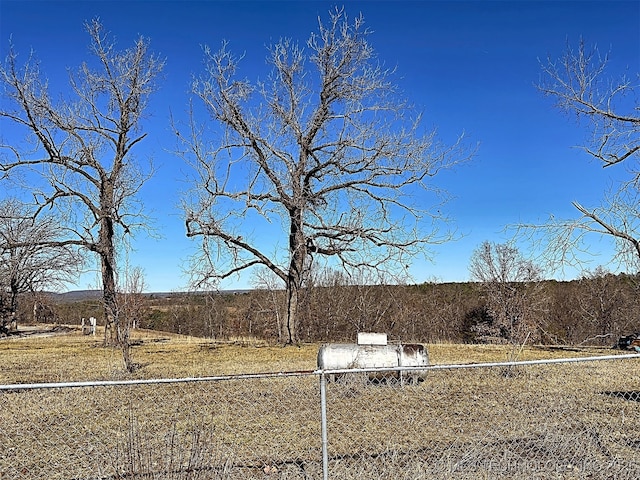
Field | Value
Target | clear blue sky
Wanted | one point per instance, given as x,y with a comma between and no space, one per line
470,66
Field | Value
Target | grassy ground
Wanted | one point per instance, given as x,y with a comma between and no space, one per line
551,421
67,355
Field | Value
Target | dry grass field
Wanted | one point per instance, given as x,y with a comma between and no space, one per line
64,354
576,420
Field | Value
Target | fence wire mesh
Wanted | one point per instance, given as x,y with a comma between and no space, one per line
549,420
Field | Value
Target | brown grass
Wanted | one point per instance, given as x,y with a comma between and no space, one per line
76,357
451,426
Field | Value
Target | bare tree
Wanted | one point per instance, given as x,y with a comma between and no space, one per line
271,303
323,147
28,261
131,310
579,84
511,286
603,305
82,147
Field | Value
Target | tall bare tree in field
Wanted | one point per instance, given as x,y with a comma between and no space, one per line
28,263
580,85
81,162
323,149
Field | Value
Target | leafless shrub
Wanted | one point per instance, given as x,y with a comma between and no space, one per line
513,292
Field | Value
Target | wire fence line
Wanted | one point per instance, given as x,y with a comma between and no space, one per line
571,418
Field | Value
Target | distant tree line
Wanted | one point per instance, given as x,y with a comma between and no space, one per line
594,310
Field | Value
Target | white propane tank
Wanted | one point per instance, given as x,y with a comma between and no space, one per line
343,356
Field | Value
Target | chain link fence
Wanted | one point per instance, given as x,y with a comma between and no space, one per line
553,419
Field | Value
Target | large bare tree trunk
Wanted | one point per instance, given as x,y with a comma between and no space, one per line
106,251
109,299
297,249
292,315
13,307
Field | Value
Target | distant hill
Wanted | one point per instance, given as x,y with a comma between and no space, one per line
82,295
76,295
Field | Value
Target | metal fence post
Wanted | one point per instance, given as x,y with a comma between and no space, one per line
323,417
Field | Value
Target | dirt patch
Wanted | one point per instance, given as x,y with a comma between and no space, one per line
39,331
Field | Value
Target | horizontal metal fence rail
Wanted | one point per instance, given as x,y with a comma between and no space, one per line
153,381
565,418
